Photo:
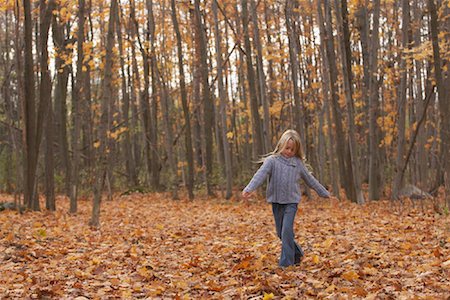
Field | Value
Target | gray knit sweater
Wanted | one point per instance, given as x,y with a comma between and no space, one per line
284,180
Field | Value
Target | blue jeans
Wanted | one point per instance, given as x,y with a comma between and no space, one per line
291,252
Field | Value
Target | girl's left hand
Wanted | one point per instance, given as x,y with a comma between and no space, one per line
245,194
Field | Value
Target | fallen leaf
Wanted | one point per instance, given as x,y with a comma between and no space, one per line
350,275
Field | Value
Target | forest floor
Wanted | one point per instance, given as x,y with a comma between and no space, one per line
149,246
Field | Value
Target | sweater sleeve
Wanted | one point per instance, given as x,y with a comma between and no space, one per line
313,183
260,175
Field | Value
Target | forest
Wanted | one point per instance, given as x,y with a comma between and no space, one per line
184,96
128,129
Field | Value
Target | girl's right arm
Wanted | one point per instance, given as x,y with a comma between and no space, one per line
259,177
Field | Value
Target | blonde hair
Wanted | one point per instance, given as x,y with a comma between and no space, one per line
288,135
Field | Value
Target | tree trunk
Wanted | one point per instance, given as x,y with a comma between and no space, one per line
78,98
31,144
254,107
342,17
208,105
294,66
18,59
62,79
337,115
374,131
402,98
334,175
267,137
102,167
130,161
155,156
443,96
223,105
45,95
184,103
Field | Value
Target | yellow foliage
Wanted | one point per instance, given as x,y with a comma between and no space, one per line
268,296
315,259
230,135
275,109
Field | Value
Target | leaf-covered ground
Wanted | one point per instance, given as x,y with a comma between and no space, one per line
149,246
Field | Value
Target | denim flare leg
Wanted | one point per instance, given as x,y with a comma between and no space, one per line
291,252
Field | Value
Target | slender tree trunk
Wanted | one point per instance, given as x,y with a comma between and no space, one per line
443,96
196,98
78,98
254,107
420,157
342,17
144,97
184,103
156,89
102,168
294,66
334,175
337,115
130,162
208,105
45,94
6,85
29,114
168,138
267,137
243,95
271,73
402,99
223,105
62,79
374,131
134,90
18,59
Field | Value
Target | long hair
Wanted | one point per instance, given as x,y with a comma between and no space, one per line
289,134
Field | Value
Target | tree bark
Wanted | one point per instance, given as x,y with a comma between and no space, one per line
102,161
443,96
184,103
45,95
254,106
208,105
402,98
334,174
266,134
130,160
342,17
223,105
294,66
78,98
336,110
29,114
62,78
156,89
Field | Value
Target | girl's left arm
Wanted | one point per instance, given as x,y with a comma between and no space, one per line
313,183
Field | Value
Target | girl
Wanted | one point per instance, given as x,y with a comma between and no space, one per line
284,168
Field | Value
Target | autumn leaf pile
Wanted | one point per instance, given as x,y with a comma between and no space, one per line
149,246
